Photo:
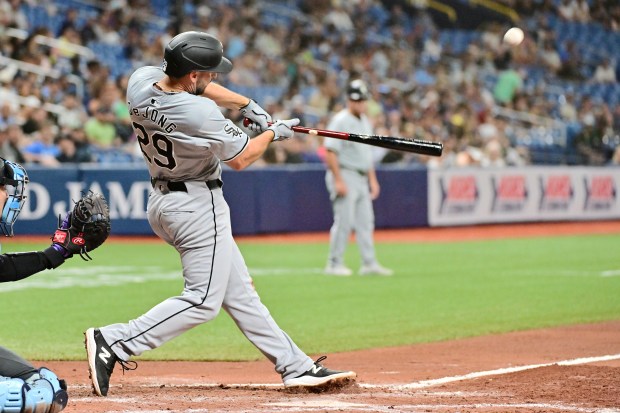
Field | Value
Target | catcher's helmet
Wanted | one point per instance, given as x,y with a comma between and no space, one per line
191,51
357,90
14,177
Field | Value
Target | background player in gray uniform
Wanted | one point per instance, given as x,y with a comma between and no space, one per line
184,137
352,185
23,387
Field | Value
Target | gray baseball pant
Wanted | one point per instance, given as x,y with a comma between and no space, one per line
352,212
197,224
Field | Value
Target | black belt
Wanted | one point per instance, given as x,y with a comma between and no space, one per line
180,186
359,171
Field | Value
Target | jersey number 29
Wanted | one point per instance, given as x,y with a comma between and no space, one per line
161,143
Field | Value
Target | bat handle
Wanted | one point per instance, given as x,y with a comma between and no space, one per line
309,131
247,122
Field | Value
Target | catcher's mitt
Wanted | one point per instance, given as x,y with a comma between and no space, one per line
86,227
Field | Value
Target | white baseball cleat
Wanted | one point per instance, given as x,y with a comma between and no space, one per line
375,269
338,270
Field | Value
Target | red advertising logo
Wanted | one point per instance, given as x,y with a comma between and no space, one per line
557,192
558,187
600,192
602,188
510,193
511,188
459,195
462,188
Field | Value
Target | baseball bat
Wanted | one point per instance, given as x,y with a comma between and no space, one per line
389,142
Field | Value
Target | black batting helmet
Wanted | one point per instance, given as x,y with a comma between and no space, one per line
357,90
191,51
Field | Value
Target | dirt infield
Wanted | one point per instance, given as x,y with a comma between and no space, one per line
421,378
564,369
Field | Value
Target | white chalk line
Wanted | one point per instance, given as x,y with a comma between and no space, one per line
409,386
111,276
507,370
304,404
92,277
610,273
563,273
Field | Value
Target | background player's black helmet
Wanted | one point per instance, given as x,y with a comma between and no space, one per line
191,51
357,90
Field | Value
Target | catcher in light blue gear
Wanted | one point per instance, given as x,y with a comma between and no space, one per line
23,387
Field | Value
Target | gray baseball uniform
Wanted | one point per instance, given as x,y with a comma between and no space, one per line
354,211
183,138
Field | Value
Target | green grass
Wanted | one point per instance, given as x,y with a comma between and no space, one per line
440,291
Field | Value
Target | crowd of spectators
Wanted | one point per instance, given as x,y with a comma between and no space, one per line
421,87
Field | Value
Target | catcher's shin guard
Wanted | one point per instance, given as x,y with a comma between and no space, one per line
44,393
11,395
41,393
60,398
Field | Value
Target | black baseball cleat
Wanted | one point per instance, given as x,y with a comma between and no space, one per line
318,375
101,361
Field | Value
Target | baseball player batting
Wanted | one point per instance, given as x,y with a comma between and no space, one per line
184,138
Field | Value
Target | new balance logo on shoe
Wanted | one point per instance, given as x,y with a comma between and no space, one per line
315,369
105,355
101,361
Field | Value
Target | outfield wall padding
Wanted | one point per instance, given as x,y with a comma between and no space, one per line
293,198
262,200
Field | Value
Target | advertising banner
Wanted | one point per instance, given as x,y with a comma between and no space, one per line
473,196
282,199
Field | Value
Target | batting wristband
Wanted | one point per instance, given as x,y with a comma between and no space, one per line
247,104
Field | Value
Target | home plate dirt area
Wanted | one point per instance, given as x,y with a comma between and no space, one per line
564,369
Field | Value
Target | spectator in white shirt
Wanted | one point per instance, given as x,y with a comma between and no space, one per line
604,73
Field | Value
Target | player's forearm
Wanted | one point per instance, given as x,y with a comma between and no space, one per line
373,184
224,97
256,148
372,176
331,160
14,267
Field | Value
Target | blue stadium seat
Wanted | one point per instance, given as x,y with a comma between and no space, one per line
593,42
269,91
379,14
307,92
272,18
161,8
112,156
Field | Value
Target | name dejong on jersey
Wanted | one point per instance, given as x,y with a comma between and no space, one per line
152,113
